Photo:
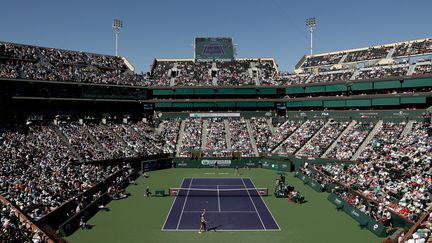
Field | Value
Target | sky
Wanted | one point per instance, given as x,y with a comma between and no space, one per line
167,28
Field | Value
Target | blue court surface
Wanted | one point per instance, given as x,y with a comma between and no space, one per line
232,204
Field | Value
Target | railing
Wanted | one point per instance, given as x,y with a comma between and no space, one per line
34,227
59,215
72,224
370,200
424,217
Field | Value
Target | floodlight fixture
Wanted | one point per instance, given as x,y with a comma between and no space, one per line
311,24
117,26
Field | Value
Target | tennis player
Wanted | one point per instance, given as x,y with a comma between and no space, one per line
203,226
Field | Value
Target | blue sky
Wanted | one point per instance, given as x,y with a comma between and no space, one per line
166,28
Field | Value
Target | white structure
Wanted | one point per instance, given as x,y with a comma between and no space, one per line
311,23
117,25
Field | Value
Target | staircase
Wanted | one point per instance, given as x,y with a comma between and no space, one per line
390,53
407,129
283,141
180,136
204,135
283,124
66,141
172,81
96,143
251,137
275,149
367,140
257,82
310,77
334,144
269,122
310,139
342,60
127,149
159,129
126,146
411,69
356,72
227,134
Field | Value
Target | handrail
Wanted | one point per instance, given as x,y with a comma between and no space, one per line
47,218
416,225
27,220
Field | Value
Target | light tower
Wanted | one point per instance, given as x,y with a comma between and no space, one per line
311,24
193,45
117,25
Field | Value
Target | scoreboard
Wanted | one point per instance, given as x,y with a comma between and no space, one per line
214,49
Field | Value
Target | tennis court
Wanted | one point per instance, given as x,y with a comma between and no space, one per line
232,204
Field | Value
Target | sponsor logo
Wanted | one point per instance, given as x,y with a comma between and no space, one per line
401,113
353,212
375,227
337,201
368,113
325,114
196,115
250,164
220,162
182,164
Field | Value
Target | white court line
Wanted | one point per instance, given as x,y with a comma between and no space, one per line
227,230
210,173
267,209
218,198
259,216
171,207
184,204
218,185
211,178
220,211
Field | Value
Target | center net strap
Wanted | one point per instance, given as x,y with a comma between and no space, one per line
231,192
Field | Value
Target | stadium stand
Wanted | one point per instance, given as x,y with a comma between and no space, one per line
190,137
351,141
397,161
46,177
39,63
381,166
317,145
240,137
297,139
15,227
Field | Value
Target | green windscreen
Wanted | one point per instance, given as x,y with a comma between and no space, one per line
387,85
334,103
357,103
385,101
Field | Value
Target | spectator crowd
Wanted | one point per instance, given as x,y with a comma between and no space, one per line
394,170
48,64
38,174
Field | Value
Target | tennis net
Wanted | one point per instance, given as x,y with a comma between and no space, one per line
203,192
